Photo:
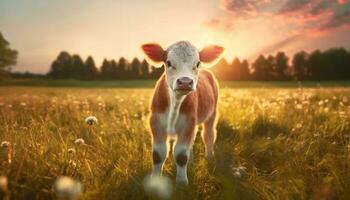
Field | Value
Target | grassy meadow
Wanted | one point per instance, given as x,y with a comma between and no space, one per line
273,143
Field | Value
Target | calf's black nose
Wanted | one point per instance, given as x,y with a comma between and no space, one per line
184,83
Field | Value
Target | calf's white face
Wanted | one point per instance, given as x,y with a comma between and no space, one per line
181,67
181,61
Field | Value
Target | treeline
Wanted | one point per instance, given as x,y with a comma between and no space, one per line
68,66
332,64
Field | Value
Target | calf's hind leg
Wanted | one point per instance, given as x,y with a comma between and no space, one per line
209,135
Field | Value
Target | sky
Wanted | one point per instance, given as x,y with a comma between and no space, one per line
40,29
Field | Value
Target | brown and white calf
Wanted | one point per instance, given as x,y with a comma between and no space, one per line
184,97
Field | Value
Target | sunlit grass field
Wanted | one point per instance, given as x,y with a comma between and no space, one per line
273,143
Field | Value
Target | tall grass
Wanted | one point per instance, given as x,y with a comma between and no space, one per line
272,144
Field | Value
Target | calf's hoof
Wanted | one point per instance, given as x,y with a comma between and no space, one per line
181,182
209,154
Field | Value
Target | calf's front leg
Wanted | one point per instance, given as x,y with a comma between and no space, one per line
159,155
182,151
159,146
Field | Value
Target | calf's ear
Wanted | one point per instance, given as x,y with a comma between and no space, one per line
155,55
209,55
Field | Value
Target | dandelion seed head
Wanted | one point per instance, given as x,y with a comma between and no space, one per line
71,150
66,187
320,103
299,106
91,120
237,171
79,141
237,174
158,186
5,144
73,163
298,125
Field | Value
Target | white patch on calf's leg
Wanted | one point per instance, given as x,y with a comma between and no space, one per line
160,153
181,157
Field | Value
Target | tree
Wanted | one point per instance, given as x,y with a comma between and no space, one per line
122,68
239,70
281,65
114,69
90,70
245,74
299,64
156,72
271,68
135,69
144,69
336,64
222,70
235,70
8,56
261,68
76,69
314,64
106,70
61,66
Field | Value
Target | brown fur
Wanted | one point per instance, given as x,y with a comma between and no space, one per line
198,106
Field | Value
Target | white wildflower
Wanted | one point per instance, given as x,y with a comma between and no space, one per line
299,106
237,174
66,187
298,125
320,103
5,144
237,171
79,141
71,150
73,163
91,120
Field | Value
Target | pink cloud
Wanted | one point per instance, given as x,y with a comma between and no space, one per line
220,24
311,16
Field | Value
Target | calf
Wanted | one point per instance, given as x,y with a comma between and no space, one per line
184,97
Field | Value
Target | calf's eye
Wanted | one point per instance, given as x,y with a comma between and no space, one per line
168,63
198,64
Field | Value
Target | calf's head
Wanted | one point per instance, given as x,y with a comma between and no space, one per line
182,61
